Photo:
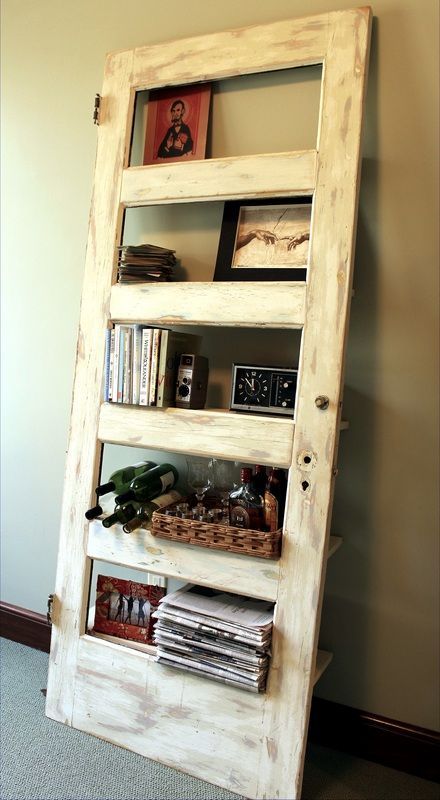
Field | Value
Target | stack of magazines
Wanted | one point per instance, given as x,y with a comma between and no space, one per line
221,636
145,262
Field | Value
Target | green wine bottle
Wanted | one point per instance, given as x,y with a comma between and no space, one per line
120,480
96,511
122,514
150,484
147,509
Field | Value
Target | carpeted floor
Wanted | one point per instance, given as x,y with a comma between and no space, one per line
43,760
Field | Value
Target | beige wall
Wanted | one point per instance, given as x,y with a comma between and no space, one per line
381,609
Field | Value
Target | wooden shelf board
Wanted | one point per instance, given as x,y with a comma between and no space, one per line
238,437
256,577
267,175
147,649
235,304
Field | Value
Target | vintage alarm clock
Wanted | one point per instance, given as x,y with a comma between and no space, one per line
269,390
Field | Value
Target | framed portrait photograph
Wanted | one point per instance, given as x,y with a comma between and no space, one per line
177,123
264,240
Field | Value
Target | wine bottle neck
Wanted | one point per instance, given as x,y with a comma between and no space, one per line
246,475
105,488
122,514
94,512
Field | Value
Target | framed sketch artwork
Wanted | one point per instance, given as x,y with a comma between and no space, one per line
264,240
177,123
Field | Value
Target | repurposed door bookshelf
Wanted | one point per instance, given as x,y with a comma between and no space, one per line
251,744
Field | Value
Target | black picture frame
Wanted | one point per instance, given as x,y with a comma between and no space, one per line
226,270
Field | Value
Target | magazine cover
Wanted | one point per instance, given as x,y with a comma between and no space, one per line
124,608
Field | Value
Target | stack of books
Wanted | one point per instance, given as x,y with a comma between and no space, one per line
141,364
145,262
221,636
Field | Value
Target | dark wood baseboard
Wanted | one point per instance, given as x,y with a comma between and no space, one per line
394,744
24,626
369,736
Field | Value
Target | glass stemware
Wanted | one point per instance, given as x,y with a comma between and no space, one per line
223,480
199,478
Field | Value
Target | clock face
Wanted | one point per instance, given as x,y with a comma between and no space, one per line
252,387
270,390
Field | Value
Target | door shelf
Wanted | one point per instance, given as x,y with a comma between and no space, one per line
249,438
231,572
265,304
256,577
224,434
267,175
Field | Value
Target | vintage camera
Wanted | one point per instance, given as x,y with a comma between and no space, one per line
192,381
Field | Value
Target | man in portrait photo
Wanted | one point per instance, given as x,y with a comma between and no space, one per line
177,140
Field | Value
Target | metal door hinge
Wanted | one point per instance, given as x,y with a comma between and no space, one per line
96,109
49,609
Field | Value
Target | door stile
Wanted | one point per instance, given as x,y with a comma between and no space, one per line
83,455
311,482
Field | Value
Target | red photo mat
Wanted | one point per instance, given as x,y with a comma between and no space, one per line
124,608
185,140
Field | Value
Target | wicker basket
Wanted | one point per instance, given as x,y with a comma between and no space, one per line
218,537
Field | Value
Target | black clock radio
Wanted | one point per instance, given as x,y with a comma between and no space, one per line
269,390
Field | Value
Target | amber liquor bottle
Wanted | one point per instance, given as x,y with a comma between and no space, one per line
259,479
275,499
246,506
